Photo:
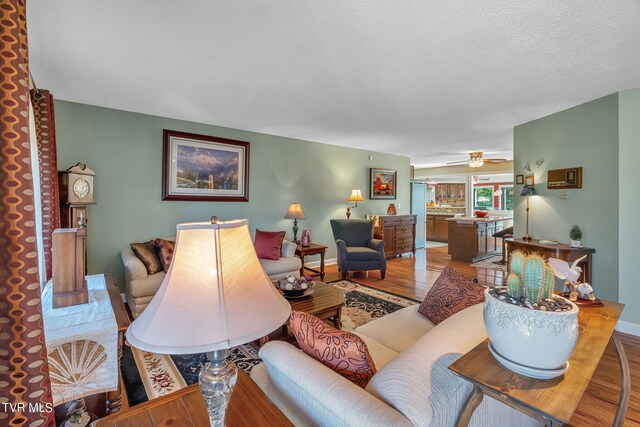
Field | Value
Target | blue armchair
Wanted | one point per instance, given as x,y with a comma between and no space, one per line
357,249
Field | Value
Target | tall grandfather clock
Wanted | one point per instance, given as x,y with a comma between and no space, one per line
76,193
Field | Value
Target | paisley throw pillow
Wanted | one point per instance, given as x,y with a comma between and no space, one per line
450,293
164,249
344,352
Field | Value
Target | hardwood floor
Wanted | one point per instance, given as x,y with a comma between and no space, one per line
412,278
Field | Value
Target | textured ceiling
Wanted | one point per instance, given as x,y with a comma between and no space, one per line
428,79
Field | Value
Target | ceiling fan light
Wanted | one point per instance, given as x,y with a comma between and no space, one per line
476,163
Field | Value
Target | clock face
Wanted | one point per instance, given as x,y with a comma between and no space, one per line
80,188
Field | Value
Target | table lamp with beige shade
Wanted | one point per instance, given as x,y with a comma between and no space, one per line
215,296
295,212
356,196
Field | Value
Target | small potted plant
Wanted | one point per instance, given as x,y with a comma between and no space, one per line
576,236
532,331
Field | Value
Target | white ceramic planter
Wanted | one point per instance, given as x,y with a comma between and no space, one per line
576,243
540,340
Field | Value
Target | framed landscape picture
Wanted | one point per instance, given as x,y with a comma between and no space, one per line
383,184
204,168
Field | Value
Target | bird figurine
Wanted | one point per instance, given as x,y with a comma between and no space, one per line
570,274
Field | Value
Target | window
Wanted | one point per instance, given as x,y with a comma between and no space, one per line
506,198
483,197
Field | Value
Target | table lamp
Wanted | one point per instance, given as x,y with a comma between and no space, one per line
527,191
356,196
295,212
215,296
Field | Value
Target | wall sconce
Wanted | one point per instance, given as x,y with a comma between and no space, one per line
356,196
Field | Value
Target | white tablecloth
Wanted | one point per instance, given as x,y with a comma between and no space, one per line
82,343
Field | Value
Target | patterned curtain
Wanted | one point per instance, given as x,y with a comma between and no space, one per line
24,371
42,102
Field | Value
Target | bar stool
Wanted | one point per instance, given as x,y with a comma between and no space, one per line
503,234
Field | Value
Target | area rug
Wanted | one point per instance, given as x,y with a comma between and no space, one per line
149,375
432,244
488,263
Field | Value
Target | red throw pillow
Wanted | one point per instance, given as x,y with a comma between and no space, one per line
268,244
450,293
164,248
344,352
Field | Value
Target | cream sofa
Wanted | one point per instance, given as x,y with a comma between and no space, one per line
412,385
141,287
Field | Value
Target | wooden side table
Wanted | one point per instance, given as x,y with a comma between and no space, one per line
248,407
552,401
312,249
114,398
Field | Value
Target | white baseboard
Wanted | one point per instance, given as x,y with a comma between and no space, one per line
316,264
628,328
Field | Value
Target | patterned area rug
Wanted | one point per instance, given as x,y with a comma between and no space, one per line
488,263
149,375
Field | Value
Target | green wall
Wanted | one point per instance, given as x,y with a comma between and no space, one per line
629,178
587,136
125,151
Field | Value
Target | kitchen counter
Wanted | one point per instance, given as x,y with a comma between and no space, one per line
485,219
471,239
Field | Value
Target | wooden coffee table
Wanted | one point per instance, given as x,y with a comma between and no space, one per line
325,303
551,401
248,407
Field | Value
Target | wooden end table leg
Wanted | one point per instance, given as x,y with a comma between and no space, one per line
302,257
337,322
322,265
625,382
474,399
114,398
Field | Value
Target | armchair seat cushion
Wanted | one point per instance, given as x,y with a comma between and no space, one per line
359,253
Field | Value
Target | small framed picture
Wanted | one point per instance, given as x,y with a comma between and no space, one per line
383,184
529,180
520,179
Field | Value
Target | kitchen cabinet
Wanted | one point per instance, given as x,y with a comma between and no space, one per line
438,228
471,239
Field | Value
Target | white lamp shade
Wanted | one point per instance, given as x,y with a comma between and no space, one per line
215,295
356,196
295,211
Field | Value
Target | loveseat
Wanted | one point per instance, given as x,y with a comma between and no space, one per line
412,386
141,287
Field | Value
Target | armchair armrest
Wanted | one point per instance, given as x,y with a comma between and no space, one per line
309,393
288,249
377,245
134,268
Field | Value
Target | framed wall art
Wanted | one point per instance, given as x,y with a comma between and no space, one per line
383,184
520,179
528,180
204,168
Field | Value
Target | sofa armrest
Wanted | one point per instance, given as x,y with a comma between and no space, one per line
288,249
377,245
309,393
134,268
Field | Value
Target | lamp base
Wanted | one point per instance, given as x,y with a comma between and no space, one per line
217,379
527,237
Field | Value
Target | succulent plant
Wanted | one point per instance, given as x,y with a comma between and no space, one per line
530,277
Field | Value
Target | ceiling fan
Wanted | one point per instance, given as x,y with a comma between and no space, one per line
476,160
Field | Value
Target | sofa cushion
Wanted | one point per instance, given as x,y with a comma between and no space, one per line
146,252
398,330
422,370
164,249
268,244
380,353
450,293
147,286
344,352
283,265
357,253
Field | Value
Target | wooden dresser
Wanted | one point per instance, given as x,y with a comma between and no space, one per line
398,233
